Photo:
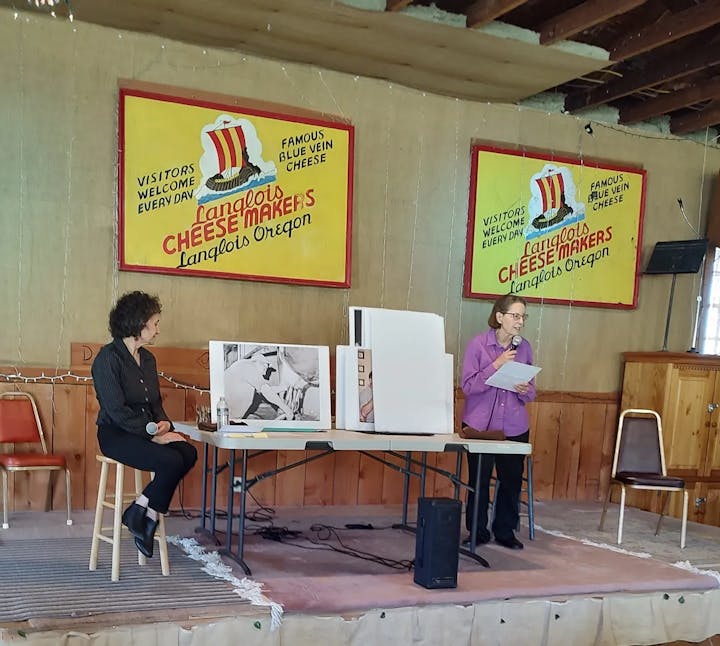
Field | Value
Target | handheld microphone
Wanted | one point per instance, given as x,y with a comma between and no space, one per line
516,341
151,428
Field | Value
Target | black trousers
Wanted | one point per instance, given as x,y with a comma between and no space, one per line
509,470
170,462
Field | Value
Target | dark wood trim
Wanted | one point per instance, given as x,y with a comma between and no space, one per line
563,397
559,397
677,358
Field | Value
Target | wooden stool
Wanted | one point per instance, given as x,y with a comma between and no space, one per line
117,502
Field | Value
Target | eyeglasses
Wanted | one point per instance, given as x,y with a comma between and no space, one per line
517,317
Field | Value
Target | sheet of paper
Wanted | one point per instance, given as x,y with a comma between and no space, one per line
239,429
512,373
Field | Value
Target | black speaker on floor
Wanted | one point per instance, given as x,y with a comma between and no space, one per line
436,542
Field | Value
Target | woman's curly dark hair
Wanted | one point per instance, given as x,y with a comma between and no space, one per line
130,314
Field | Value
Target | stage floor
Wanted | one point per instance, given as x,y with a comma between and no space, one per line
308,573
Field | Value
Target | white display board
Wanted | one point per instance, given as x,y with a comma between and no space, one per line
412,376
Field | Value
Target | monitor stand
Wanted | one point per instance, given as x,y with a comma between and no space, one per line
669,312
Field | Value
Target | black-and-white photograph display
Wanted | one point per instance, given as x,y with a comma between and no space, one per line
288,385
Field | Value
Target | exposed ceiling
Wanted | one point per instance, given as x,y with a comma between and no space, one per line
647,58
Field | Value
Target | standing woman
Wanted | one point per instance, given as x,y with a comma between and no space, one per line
490,408
133,428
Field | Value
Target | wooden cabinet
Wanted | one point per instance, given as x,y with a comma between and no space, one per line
685,390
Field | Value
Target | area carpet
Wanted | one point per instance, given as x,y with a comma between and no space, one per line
50,578
305,574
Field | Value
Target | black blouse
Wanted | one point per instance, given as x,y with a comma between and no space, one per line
128,393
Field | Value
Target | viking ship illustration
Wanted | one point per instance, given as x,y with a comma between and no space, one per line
552,191
234,165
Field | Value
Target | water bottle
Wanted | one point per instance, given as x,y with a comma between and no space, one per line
223,413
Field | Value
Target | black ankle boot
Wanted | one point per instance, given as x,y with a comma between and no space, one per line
146,542
134,519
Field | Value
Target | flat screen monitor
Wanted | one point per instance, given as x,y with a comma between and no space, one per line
677,257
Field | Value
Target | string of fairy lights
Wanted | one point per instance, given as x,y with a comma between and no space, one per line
70,377
51,4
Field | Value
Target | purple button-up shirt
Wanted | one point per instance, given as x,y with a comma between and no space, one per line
486,407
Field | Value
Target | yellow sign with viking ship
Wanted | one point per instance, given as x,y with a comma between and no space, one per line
553,229
209,189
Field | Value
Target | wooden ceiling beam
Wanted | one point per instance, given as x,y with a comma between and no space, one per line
641,111
710,116
583,16
668,29
660,72
481,12
396,5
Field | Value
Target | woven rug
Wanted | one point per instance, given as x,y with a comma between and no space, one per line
50,578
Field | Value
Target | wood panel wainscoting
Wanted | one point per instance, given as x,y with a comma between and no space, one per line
572,434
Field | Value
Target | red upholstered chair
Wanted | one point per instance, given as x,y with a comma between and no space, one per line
20,424
639,463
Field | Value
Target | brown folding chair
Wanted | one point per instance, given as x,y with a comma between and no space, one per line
639,463
20,424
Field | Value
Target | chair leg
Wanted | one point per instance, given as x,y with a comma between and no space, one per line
117,527
663,510
683,531
68,496
99,508
51,486
5,498
622,514
605,506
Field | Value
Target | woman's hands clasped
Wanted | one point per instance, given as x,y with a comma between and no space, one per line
165,435
521,389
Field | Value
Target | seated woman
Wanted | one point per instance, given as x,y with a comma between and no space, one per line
133,428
